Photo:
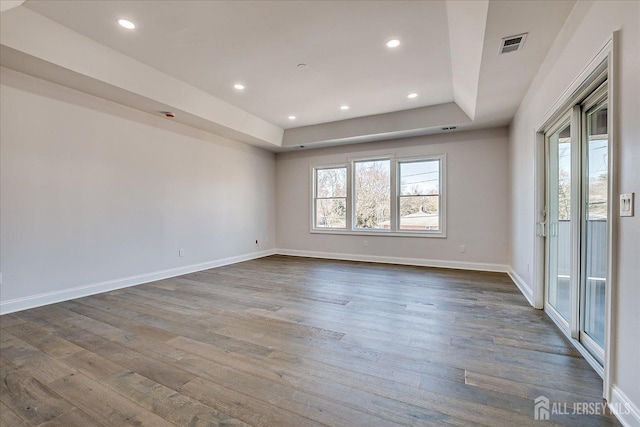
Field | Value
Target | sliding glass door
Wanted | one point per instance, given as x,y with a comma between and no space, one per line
559,220
577,188
594,224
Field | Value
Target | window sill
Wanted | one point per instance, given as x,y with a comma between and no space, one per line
433,234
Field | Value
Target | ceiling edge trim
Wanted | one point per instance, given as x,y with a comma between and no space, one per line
467,23
410,122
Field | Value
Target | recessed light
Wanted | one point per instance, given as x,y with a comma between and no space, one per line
238,86
126,24
344,107
292,117
412,95
393,43
303,66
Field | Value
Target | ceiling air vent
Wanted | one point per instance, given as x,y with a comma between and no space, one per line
512,43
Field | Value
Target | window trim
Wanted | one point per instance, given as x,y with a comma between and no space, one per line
353,193
314,197
441,158
394,230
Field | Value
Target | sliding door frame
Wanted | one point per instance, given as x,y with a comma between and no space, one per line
551,228
604,62
598,97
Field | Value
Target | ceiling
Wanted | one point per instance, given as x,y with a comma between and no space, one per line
448,56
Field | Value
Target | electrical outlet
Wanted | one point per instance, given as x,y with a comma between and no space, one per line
365,243
463,249
180,252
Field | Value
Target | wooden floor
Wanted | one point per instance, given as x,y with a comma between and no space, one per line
284,341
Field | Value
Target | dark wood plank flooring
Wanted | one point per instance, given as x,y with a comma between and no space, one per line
284,341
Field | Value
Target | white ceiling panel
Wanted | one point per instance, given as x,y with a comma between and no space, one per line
211,45
193,52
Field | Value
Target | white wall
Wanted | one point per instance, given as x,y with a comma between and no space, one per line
95,192
587,30
476,201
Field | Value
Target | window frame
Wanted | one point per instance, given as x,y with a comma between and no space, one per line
394,196
441,159
315,198
352,163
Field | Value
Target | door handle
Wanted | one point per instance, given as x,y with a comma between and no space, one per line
542,229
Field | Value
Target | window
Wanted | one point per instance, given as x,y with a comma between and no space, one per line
331,198
372,194
419,195
383,195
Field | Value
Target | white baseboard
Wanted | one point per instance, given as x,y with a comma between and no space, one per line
397,260
33,301
623,408
522,285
